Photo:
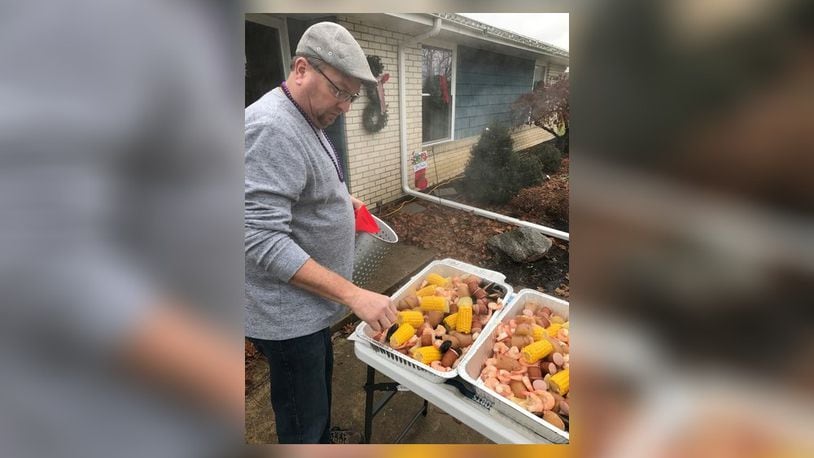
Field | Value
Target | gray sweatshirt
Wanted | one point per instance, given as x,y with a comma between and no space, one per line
295,208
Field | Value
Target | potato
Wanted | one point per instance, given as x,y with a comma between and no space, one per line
435,318
517,388
506,363
554,419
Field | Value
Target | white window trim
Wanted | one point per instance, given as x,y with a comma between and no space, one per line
453,84
544,66
279,23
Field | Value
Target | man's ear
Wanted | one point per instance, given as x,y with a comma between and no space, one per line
299,69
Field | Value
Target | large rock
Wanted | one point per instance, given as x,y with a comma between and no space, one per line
523,244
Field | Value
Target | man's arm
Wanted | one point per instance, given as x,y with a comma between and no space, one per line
356,202
373,308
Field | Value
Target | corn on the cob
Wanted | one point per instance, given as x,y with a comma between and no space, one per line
426,355
435,279
464,322
413,317
538,332
560,382
534,352
430,303
402,335
451,321
464,300
552,330
428,290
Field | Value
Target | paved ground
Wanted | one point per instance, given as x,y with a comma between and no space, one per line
349,378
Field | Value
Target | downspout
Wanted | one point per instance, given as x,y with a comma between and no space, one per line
436,28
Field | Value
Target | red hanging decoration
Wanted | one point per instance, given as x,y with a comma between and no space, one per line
442,81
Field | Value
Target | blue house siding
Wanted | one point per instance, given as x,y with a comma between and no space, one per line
486,85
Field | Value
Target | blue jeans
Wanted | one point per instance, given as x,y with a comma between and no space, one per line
300,374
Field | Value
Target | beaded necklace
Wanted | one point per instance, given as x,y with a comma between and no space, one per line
334,160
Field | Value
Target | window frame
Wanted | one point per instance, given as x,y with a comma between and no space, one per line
280,24
453,48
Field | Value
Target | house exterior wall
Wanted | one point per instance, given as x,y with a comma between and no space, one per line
448,160
555,72
374,158
375,175
487,84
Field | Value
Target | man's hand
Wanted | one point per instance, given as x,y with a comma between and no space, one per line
356,202
373,308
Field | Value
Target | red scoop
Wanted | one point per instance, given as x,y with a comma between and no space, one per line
365,221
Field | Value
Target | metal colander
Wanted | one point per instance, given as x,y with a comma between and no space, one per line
371,250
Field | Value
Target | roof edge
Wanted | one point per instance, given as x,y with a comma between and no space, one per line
504,34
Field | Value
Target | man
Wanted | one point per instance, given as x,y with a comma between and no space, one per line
299,220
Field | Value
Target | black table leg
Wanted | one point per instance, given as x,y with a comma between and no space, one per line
371,374
372,408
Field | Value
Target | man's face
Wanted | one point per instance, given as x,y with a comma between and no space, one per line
329,91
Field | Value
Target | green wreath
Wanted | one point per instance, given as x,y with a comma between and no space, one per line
373,119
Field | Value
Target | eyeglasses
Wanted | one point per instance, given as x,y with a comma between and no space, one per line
340,94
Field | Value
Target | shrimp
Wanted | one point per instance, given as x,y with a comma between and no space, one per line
379,336
534,404
489,372
409,344
491,383
527,383
438,366
526,365
504,376
504,390
513,353
528,313
521,370
500,348
547,399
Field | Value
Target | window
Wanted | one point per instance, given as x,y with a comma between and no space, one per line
539,75
436,94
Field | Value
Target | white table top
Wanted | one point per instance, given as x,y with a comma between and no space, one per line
493,425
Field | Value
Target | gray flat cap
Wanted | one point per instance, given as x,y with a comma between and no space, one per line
334,45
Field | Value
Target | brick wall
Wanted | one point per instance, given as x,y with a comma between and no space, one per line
373,158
